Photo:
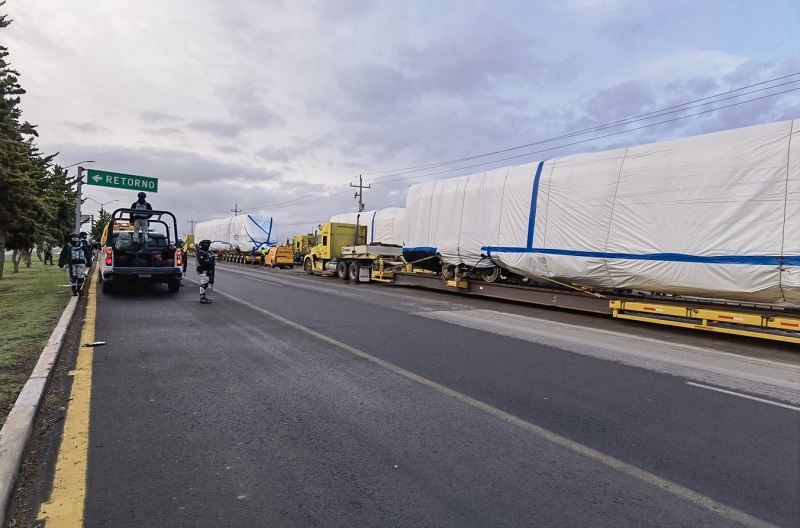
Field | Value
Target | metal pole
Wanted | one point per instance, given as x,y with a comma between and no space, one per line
78,201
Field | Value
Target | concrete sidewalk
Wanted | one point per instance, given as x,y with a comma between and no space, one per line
19,426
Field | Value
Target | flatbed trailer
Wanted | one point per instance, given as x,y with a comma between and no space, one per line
763,322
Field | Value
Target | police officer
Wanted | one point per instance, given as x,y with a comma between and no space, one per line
48,252
205,267
77,257
85,241
140,223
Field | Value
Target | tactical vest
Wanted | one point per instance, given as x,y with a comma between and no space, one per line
76,254
140,207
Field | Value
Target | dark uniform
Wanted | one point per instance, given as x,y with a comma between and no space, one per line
205,267
76,256
140,223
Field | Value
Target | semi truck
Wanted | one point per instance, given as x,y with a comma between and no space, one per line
341,250
302,245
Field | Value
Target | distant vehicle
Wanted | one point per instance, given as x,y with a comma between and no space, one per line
302,245
341,251
280,257
122,259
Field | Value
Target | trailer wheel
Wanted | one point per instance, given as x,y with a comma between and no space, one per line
308,266
491,275
107,287
341,270
352,271
174,286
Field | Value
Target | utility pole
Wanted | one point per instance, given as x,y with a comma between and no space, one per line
78,201
360,193
236,210
192,222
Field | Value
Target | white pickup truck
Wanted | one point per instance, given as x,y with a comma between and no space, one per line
125,259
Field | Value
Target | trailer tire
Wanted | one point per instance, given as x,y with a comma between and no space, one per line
341,270
308,266
492,275
107,287
352,271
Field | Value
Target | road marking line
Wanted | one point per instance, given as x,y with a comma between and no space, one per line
68,496
622,467
739,394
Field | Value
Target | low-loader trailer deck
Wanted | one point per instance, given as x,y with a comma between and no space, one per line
764,322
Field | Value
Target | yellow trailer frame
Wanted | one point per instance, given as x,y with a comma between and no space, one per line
776,328
745,321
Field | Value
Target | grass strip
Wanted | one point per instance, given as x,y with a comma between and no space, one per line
31,302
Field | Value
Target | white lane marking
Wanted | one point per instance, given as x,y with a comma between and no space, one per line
689,495
739,394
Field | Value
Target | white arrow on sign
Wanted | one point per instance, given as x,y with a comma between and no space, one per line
97,177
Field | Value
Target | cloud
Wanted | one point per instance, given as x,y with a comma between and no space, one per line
266,103
222,129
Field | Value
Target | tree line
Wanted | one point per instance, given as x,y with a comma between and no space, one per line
37,197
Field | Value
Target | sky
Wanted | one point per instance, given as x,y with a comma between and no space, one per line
276,107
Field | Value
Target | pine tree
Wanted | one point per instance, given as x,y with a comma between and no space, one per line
34,202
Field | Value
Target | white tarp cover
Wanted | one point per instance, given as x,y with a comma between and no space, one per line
716,215
243,232
387,225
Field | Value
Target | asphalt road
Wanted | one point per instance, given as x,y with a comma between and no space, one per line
305,401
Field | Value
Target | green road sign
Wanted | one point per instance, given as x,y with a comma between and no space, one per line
121,181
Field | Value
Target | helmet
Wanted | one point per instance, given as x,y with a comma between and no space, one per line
142,196
204,244
84,234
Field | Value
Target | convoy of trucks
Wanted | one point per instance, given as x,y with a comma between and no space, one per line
606,232
603,232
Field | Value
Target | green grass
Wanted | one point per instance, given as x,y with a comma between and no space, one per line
31,303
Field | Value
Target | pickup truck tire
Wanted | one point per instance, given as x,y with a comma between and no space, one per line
341,270
106,287
174,286
352,272
308,266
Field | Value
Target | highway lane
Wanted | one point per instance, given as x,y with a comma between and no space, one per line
356,405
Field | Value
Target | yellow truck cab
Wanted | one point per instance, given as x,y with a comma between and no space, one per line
302,245
342,250
326,254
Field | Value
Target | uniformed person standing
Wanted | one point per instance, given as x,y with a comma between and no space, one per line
76,257
205,267
140,223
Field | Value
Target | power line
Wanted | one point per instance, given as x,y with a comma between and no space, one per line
628,120
399,174
586,140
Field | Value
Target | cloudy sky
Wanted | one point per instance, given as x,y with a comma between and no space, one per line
275,107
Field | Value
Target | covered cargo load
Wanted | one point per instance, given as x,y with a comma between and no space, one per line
242,233
715,216
385,226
